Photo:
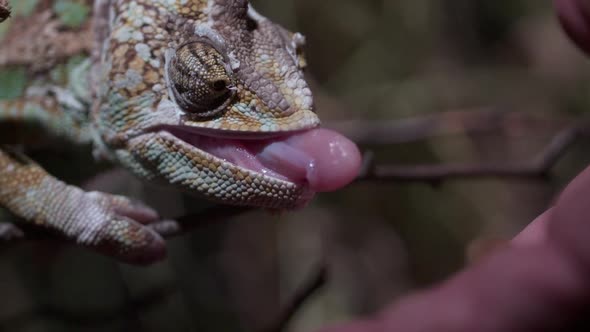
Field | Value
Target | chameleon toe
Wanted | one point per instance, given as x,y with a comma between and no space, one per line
137,211
131,242
153,252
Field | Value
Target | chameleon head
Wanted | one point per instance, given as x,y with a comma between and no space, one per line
241,73
225,112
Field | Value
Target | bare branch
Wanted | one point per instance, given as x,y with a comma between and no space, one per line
4,10
538,168
486,121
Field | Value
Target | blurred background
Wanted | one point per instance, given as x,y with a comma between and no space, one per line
414,82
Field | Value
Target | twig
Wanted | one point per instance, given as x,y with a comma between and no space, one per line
4,10
400,131
538,168
316,281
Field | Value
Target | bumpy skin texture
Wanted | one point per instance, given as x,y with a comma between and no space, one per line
123,79
269,94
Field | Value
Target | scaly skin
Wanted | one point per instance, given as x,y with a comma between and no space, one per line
127,85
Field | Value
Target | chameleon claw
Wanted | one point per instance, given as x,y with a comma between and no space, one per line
166,227
135,210
130,242
152,251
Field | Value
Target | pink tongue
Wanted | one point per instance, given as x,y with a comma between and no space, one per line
322,157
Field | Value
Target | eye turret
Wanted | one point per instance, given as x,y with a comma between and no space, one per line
200,79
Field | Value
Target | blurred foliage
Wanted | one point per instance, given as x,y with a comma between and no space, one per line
368,60
13,82
71,13
23,7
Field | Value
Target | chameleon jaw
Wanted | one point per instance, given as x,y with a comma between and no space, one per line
183,160
266,154
314,160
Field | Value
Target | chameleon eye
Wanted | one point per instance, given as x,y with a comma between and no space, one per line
200,79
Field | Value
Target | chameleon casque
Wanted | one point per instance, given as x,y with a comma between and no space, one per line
207,96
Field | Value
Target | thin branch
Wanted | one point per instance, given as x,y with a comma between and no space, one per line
538,168
4,10
317,280
420,128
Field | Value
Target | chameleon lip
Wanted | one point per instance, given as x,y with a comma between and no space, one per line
231,135
268,154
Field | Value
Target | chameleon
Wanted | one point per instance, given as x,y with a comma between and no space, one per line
206,96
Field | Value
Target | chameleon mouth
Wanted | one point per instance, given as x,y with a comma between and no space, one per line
320,159
271,156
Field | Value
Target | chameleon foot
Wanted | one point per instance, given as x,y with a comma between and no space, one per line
112,225
116,226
